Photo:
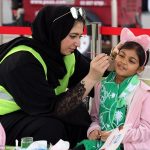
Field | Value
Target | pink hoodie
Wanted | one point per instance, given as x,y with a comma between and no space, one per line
2,138
138,116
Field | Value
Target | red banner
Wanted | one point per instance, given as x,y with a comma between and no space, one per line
103,30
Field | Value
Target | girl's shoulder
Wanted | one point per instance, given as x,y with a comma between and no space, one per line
144,86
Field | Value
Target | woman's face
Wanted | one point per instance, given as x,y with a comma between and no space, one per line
72,40
127,63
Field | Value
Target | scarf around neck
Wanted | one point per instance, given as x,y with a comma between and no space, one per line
112,107
113,100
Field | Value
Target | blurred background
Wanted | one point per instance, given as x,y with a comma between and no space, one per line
131,13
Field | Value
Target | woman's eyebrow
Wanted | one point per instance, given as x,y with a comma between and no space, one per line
74,33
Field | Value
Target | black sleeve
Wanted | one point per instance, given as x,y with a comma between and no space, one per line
23,77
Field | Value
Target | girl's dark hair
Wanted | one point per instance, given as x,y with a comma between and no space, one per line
139,51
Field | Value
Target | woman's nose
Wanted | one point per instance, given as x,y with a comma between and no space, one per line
77,43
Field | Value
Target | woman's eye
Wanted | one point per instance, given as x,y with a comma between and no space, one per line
72,36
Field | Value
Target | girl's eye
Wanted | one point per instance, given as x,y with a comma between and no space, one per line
132,62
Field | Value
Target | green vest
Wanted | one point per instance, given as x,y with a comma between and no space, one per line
7,103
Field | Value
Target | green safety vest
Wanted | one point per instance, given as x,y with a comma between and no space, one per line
7,103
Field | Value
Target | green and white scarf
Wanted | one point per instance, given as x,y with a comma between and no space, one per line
113,96
113,105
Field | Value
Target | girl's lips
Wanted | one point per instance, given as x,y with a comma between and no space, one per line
121,67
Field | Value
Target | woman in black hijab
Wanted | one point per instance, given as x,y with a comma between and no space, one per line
44,79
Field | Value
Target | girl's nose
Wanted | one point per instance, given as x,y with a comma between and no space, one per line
124,61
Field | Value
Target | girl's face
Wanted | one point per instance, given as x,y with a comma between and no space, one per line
72,40
127,63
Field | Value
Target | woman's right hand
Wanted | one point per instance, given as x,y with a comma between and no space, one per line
115,50
98,66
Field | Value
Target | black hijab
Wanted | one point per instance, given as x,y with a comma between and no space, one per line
49,34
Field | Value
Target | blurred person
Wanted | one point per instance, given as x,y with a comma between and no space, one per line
18,12
144,5
16,4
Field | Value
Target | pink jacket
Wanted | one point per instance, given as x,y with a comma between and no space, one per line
2,138
138,116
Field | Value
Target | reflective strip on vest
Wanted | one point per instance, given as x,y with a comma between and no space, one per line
70,65
7,103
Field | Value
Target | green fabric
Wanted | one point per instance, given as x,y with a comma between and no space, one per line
113,105
90,144
70,64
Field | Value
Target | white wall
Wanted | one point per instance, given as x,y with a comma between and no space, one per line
6,11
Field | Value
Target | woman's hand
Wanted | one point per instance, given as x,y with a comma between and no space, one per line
113,54
115,50
94,135
98,66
